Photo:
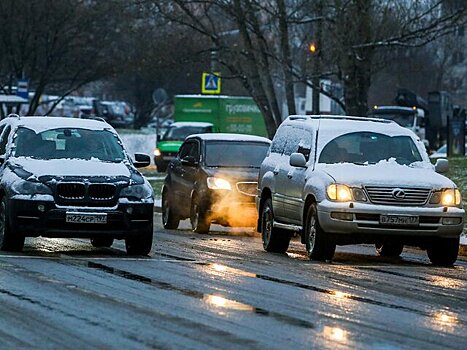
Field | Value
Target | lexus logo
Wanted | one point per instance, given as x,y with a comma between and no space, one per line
398,193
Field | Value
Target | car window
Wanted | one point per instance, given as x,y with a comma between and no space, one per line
368,147
235,153
189,149
69,143
182,132
300,142
280,139
4,139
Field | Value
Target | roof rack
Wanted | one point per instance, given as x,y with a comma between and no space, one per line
92,117
13,115
339,117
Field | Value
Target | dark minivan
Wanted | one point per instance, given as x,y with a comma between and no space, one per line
213,179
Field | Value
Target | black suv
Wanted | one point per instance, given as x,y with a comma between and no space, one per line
65,177
213,179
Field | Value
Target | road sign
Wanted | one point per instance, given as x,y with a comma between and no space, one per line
211,83
22,88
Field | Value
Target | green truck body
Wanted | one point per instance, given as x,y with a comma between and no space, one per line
230,114
227,114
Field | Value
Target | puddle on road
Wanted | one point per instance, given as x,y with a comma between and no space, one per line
214,302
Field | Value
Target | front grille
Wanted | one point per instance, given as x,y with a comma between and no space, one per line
385,195
101,192
71,190
248,188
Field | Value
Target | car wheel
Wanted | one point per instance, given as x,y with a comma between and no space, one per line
140,244
169,218
198,216
443,251
319,246
389,249
9,240
102,242
161,165
274,240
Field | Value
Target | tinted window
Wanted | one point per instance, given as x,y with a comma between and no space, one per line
69,143
189,149
300,142
280,139
180,133
235,154
367,147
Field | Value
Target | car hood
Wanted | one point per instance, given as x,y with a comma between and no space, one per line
71,167
235,174
386,174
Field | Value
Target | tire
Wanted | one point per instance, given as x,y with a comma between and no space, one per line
161,165
140,244
199,220
319,246
274,240
169,218
443,251
102,242
389,249
9,240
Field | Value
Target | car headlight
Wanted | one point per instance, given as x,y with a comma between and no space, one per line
30,187
157,152
340,193
216,183
450,197
142,191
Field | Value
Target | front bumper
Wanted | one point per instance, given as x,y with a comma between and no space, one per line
42,217
365,220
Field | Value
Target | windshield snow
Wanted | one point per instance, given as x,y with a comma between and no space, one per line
235,154
370,148
68,143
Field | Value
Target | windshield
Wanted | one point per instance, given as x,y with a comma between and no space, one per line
235,154
68,143
181,132
369,148
405,120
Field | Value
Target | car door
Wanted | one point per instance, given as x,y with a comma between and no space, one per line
184,175
296,177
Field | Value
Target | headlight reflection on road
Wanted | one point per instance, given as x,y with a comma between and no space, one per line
335,333
443,320
219,302
446,282
222,268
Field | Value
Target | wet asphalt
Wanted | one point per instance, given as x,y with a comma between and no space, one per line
222,291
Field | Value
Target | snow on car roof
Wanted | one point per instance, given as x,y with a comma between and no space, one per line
200,124
39,124
229,137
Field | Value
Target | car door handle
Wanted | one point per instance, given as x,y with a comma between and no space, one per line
275,172
289,175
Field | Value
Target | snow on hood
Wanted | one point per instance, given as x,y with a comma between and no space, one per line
387,173
71,167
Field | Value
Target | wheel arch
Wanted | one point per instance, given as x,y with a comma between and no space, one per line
309,200
265,194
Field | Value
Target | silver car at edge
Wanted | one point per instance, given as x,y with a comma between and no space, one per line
349,180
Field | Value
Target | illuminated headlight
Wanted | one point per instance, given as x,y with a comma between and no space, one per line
137,191
340,193
451,197
29,187
216,183
157,152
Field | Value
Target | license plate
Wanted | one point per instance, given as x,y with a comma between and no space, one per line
398,220
86,218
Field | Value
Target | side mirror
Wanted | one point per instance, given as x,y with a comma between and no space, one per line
141,160
189,161
442,166
297,160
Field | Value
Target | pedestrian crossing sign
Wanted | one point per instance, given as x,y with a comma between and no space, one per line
211,83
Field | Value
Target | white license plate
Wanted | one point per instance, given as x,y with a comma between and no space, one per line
86,218
398,220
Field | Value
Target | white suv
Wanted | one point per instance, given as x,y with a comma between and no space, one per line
347,180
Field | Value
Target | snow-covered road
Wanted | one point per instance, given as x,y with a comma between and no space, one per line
222,291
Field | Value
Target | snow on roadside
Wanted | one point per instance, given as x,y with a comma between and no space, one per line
139,143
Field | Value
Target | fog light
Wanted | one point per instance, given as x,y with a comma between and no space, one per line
41,207
342,216
451,221
129,210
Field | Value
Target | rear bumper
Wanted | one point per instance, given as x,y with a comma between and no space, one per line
365,220
33,218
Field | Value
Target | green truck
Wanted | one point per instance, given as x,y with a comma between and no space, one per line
199,114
